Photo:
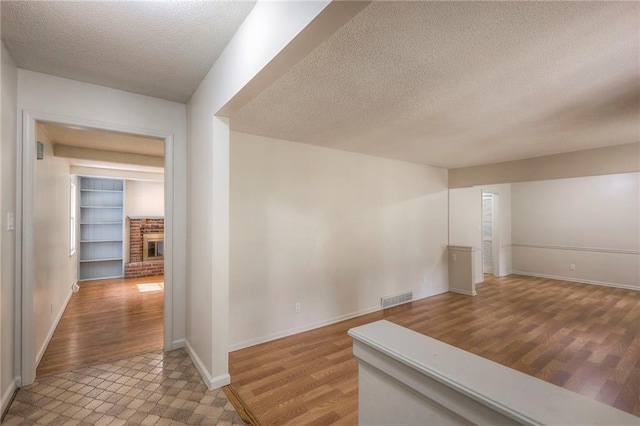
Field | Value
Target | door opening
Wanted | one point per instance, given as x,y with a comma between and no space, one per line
44,181
490,237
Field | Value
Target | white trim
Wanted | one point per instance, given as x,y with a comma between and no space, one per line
572,248
177,344
330,321
577,280
465,292
25,329
53,328
211,382
6,396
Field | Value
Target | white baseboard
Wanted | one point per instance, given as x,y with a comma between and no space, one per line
177,344
312,326
43,348
8,393
465,292
577,280
211,382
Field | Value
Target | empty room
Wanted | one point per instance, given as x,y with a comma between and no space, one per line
373,212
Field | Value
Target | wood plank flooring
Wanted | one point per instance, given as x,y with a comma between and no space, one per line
106,320
584,338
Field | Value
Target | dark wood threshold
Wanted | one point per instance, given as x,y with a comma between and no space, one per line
238,403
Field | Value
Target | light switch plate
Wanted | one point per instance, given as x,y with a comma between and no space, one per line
11,221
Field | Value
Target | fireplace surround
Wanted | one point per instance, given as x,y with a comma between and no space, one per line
146,247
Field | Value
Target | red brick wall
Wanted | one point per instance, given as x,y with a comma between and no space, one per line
138,268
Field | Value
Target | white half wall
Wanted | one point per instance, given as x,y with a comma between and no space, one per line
592,223
8,299
55,268
332,230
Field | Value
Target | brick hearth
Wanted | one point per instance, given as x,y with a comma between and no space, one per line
137,267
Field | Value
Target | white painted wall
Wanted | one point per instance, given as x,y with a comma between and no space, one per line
9,74
504,227
465,223
109,108
592,222
142,198
271,40
200,284
55,269
330,229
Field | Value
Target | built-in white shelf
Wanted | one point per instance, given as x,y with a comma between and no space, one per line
102,230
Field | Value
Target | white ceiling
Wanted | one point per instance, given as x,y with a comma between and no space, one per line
448,84
105,141
456,84
160,49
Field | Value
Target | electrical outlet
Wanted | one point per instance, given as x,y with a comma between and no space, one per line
572,267
454,257
298,307
424,280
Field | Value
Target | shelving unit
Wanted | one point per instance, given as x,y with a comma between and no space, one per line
101,228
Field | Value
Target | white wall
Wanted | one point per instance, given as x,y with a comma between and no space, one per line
591,222
465,223
144,198
9,75
330,229
207,296
111,109
271,40
55,269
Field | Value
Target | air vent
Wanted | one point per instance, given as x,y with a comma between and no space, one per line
387,301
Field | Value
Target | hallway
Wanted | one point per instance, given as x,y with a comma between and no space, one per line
105,321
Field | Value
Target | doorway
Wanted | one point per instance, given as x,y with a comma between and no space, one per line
30,332
490,234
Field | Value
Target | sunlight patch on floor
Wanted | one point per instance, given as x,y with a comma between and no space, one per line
146,287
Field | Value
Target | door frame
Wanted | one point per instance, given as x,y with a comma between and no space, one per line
495,231
25,259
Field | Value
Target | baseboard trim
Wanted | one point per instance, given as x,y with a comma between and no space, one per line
465,292
53,328
330,321
577,280
7,396
177,344
211,382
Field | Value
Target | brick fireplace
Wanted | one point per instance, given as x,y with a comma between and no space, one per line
152,228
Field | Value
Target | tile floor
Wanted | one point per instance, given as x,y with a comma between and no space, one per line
151,389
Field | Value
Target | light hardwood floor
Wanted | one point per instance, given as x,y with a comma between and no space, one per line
584,338
106,320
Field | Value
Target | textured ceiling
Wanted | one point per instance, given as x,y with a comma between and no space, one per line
160,49
455,84
103,140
